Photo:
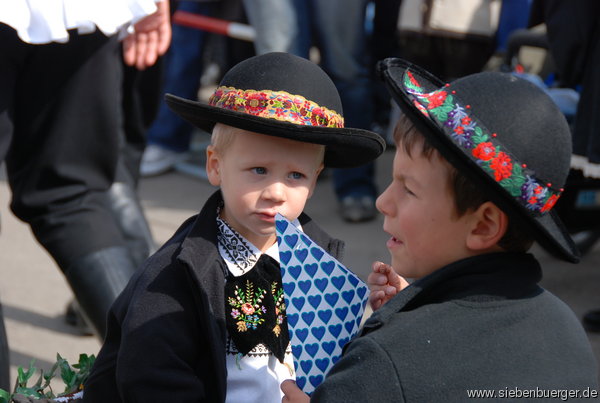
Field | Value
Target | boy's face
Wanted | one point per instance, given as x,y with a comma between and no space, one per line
420,216
261,175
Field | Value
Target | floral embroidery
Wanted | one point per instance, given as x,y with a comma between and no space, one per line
279,105
277,292
482,146
484,151
249,302
254,303
248,308
502,166
435,100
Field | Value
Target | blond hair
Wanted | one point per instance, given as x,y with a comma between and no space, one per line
222,137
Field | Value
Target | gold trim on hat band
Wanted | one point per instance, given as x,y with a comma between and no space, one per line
279,105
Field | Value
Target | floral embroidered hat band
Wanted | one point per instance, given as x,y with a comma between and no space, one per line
283,95
503,132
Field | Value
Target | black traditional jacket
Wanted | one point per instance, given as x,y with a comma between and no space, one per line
166,332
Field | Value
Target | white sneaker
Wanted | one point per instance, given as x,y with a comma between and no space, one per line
157,160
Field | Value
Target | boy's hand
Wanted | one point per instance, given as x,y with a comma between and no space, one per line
383,283
293,393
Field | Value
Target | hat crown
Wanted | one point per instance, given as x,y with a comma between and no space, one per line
526,121
278,71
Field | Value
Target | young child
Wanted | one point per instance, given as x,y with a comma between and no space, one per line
204,318
479,164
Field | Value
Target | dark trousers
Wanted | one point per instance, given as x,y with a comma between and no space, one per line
60,104
446,58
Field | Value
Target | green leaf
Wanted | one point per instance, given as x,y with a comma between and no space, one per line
512,186
68,377
50,375
38,383
32,392
440,114
517,170
479,136
24,376
4,396
85,363
73,378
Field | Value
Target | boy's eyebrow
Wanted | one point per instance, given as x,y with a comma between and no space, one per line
406,178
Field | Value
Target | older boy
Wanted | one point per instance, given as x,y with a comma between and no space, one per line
479,164
204,319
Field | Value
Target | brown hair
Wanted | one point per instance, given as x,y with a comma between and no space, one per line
467,196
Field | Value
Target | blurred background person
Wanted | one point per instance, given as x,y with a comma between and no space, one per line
574,42
169,137
337,29
65,98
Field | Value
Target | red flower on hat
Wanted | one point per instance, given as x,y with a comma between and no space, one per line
550,203
459,130
484,151
502,166
466,121
436,99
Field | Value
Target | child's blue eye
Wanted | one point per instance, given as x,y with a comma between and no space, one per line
296,175
259,170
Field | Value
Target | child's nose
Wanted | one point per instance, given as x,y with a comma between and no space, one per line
275,192
382,202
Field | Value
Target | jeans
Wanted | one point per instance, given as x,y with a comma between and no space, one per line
338,27
274,24
183,69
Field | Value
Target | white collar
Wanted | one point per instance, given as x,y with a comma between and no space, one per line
239,254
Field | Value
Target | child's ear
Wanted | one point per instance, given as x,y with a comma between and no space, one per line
213,166
488,226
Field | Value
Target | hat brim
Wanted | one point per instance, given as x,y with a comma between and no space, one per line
344,147
547,229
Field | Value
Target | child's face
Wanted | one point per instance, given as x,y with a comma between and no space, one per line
261,175
419,215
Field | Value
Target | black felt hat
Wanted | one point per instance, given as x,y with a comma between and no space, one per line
503,132
283,95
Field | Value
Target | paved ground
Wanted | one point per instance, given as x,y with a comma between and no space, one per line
34,293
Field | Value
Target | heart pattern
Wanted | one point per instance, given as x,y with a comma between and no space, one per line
325,303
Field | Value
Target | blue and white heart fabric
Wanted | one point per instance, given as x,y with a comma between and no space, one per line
324,301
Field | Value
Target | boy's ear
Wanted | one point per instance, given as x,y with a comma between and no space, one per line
488,226
213,169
